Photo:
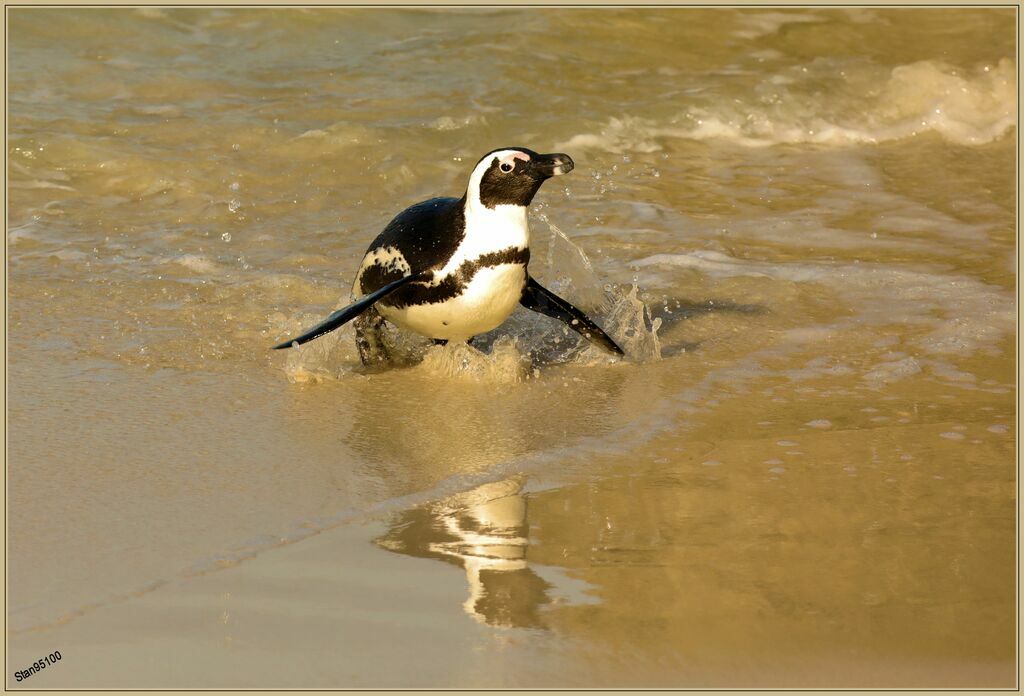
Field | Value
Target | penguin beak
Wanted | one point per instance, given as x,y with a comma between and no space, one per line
547,166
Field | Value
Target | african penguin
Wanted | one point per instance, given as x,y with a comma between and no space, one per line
452,268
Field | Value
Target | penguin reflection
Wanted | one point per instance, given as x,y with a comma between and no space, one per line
485,531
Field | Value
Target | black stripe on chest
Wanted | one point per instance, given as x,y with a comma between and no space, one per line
450,286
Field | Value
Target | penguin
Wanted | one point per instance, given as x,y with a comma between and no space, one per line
452,268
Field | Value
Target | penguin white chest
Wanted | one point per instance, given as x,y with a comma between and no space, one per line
490,267
484,303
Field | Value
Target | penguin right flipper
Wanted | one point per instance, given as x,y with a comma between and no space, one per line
351,312
540,299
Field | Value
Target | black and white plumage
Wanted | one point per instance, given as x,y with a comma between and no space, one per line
452,268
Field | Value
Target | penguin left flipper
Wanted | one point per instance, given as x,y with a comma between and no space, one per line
351,312
540,299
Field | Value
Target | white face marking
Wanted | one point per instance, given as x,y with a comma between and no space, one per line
509,156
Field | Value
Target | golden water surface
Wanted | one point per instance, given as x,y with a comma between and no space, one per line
803,474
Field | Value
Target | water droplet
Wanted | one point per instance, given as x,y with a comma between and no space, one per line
226,236
234,205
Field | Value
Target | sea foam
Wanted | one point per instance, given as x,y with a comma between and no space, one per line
857,104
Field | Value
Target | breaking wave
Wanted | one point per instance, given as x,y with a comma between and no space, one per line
831,103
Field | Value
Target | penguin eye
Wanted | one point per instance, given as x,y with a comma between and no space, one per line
505,167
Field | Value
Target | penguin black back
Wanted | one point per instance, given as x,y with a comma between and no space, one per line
424,236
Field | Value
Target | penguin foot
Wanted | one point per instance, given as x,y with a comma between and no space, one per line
444,341
370,338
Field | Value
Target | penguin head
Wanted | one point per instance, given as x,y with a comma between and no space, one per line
513,175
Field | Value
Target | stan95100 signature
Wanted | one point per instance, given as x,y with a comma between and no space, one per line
37,666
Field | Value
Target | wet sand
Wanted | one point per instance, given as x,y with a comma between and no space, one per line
745,553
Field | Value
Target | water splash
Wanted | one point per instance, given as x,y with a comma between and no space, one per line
503,364
618,310
514,351
329,357
629,319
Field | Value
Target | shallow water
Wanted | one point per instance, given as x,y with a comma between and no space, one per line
801,224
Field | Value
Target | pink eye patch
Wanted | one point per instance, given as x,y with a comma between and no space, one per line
510,159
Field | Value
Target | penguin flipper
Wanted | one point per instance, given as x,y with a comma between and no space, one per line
348,313
540,299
